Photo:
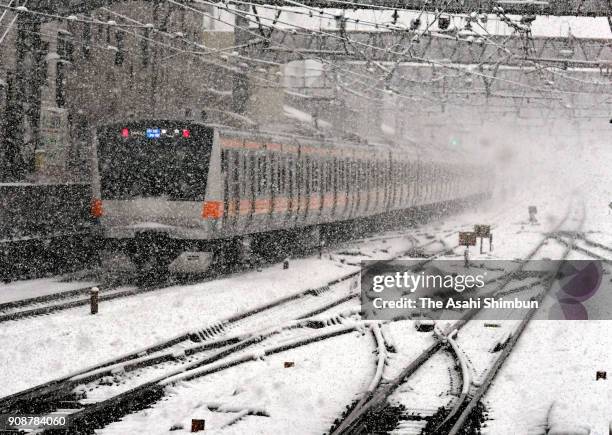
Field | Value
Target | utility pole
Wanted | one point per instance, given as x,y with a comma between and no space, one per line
240,91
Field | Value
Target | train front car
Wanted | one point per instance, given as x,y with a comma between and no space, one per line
150,185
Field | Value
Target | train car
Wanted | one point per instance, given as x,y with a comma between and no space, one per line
181,191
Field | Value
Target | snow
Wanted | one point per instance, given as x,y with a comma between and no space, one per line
581,27
292,112
382,356
303,399
32,288
44,348
556,361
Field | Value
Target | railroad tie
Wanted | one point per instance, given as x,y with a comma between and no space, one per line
320,290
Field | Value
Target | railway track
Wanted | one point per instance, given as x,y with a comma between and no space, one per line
189,354
100,394
55,302
195,353
465,420
450,419
51,303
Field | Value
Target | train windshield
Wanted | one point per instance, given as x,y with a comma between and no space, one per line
154,159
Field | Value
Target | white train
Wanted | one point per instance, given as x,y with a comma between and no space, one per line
181,191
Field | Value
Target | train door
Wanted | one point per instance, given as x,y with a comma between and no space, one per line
303,187
274,187
225,176
368,186
344,185
404,185
416,181
299,184
335,177
308,183
325,174
315,199
231,187
252,184
356,188
376,185
385,184
263,202
393,167
291,190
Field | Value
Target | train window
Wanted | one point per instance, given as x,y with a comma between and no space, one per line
338,182
293,174
349,175
288,174
282,174
315,175
274,173
308,168
323,176
235,169
244,165
364,173
257,165
333,174
137,167
376,174
263,174
253,175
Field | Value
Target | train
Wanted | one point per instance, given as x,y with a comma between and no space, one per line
183,192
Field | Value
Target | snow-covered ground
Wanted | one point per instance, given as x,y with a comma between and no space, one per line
554,361
40,349
32,288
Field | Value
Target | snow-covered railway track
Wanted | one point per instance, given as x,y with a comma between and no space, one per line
59,301
51,303
100,394
373,404
189,354
55,302
468,419
578,244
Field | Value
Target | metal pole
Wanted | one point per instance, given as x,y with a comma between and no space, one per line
240,92
93,299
